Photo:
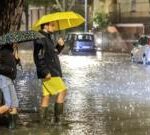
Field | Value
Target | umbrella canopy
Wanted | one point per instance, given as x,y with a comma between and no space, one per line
19,36
62,20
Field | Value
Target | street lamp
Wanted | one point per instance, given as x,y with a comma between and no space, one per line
86,15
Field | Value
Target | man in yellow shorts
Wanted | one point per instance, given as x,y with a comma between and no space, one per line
49,70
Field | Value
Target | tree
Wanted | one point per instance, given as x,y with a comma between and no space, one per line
101,20
55,5
10,15
65,5
60,5
38,3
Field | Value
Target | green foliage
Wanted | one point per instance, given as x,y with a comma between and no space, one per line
101,20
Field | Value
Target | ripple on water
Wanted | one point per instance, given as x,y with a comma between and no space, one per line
107,96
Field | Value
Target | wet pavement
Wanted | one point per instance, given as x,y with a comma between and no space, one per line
107,95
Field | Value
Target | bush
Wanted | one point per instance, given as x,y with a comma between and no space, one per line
101,20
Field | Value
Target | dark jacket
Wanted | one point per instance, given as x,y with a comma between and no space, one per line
7,62
46,57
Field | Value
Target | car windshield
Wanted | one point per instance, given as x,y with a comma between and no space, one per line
85,37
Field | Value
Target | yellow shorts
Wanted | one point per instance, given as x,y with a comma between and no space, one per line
53,86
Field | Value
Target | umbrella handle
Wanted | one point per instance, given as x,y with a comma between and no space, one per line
20,66
16,53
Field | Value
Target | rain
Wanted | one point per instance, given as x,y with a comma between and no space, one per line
107,95
105,63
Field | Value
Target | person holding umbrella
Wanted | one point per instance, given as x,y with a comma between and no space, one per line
8,62
47,61
49,70
8,70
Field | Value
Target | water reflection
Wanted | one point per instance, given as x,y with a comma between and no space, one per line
110,96
107,95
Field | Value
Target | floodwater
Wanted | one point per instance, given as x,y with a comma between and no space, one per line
107,95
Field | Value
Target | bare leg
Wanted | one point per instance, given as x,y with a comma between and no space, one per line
61,97
45,101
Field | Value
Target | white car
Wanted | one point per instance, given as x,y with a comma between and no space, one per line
141,52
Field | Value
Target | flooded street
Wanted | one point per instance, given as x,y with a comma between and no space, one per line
107,95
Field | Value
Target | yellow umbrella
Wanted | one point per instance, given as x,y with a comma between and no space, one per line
63,20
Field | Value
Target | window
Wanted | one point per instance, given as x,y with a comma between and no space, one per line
85,37
133,5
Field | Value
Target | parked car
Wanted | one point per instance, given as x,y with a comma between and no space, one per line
81,43
141,51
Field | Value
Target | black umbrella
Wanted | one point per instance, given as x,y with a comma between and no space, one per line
19,36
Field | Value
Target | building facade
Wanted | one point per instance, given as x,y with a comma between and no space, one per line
126,11
123,11
133,11
131,19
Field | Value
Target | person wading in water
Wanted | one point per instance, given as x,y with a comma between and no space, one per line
49,70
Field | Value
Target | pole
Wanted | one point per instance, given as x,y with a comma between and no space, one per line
86,16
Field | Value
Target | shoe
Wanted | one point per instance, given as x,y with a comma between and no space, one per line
43,115
58,113
12,121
